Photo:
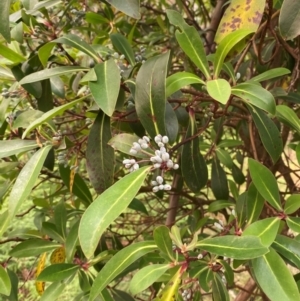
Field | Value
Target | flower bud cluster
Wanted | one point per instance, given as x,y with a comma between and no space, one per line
141,144
131,164
158,184
186,295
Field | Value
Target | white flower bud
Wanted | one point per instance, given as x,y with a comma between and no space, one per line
157,165
127,165
163,150
157,138
144,145
159,179
165,139
200,256
161,187
145,138
154,183
158,153
135,166
132,161
167,187
132,151
141,141
126,161
136,146
218,226
153,159
165,157
160,144
155,189
176,166
170,164
158,159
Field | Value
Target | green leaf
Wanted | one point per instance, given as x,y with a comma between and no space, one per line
33,247
274,277
150,94
50,230
294,223
99,154
289,248
219,291
4,17
4,222
122,45
25,118
107,207
5,284
123,143
292,204
219,205
256,96
128,7
72,241
193,166
224,157
138,205
50,114
289,19
288,116
10,54
163,240
118,264
14,147
106,89
53,291
236,247
58,272
44,53
265,183
26,180
189,40
270,74
255,204
179,80
268,132
219,184
60,219
146,277
226,45
79,188
78,43
219,89
48,73
265,229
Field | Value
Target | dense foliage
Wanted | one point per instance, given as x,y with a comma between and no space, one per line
149,151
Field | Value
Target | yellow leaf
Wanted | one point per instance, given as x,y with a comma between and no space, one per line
40,285
58,255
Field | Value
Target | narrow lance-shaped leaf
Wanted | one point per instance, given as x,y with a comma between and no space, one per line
150,94
194,169
4,19
53,291
163,240
106,89
292,204
190,42
268,132
26,180
288,116
219,291
122,45
128,7
255,204
219,184
270,74
99,154
274,277
58,272
107,207
5,284
219,89
13,147
265,183
236,247
119,263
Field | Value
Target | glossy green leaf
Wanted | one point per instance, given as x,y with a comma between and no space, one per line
33,247
219,89
171,123
79,188
9,54
58,272
50,114
26,180
138,205
78,43
294,223
224,157
17,146
53,291
288,116
48,73
236,247
265,183
179,80
189,40
123,143
228,272
237,174
219,184
4,221
150,94
25,118
270,74
14,286
106,89
255,204
107,207
71,242
226,45
50,230
163,240
274,277
4,19
292,204
99,154
5,284
268,132
146,277
219,291
256,96
289,248
60,218
128,7
205,278
193,166
265,229
289,19
57,86
122,45
119,263
219,205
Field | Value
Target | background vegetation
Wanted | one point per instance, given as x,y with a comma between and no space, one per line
149,151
